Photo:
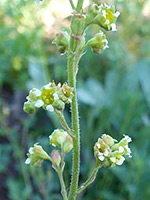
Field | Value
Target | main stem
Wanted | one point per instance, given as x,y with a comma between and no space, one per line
75,125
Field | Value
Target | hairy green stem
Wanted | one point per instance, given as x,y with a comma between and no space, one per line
79,5
63,188
64,125
75,126
72,4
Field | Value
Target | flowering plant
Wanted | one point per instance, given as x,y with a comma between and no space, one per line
53,97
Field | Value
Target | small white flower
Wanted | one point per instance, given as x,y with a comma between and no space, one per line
28,160
50,137
107,6
106,41
100,6
98,145
55,96
53,145
113,26
113,159
37,92
39,103
50,108
104,13
120,161
101,158
127,148
47,86
128,151
106,22
121,149
128,138
117,14
106,153
106,47
31,150
28,98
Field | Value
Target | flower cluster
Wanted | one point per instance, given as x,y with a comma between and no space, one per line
36,155
49,97
109,153
104,15
61,139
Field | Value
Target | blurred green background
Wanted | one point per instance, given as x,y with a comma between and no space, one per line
113,93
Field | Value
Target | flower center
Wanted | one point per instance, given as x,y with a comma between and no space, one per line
109,16
47,96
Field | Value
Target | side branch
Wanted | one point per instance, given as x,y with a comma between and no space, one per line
63,188
64,125
90,180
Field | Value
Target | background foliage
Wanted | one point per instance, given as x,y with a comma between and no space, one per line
113,92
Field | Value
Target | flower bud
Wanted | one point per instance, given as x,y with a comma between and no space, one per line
61,41
33,101
92,12
58,137
29,108
61,139
39,152
101,150
98,43
56,157
108,140
59,105
107,17
68,145
78,24
36,155
66,93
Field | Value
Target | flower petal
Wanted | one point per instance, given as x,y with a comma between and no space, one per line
117,14
37,92
113,159
55,96
113,26
50,108
101,158
106,153
128,138
121,149
104,13
31,150
47,86
39,103
120,161
28,160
